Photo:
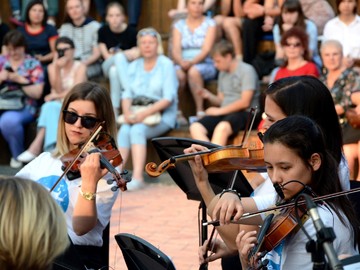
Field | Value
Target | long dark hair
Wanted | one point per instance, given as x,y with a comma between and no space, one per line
306,95
303,136
292,6
30,5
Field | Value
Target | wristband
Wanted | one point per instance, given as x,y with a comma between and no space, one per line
231,191
87,195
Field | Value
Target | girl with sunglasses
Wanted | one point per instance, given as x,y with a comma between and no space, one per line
71,72
87,200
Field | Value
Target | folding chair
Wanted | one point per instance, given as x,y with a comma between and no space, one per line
141,255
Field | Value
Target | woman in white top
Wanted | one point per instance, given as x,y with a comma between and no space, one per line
346,29
71,72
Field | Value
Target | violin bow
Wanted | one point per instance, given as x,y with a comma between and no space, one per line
253,112
85,146
289,204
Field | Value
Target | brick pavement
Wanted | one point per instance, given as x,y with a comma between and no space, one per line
162,215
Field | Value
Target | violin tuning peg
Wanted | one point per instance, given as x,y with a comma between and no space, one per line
110,181
124,172
114,188
128,179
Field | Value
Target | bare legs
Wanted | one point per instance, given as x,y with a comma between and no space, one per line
220,135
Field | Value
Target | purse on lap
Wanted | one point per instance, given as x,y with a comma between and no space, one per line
140,104
11,100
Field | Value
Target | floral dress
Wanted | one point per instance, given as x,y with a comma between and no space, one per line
347,83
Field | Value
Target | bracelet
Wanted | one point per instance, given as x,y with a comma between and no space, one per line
231,191
87,195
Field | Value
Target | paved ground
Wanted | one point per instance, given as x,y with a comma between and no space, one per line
161,214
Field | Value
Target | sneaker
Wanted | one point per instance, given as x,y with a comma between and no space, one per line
135,184
15,164
26,156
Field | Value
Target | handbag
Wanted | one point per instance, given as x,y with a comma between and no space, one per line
11,100
140,104
353,117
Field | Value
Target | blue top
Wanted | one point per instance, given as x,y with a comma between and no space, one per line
159,83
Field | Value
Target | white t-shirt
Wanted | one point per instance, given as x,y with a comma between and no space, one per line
46,170
291,252
347,35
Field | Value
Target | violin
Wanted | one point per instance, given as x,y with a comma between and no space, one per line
101,143
221,159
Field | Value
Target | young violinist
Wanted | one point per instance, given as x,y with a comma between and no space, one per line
283,98
297,160
86,199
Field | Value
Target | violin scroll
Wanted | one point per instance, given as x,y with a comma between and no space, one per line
154,171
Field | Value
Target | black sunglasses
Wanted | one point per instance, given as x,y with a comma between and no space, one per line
88,122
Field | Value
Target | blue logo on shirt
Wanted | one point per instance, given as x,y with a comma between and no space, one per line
60,193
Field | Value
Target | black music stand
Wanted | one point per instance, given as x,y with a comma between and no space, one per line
167,147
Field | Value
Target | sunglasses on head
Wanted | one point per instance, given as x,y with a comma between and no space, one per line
148,33
87,122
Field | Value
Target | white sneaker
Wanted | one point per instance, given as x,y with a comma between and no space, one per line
135,184
26,156
15,164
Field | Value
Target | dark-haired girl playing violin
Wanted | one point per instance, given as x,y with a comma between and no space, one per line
284,98
88,199
294,149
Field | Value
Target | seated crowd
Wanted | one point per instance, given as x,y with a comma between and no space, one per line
209,40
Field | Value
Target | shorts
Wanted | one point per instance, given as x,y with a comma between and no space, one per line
237,121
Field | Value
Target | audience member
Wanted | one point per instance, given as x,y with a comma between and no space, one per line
84,32
18,8
299,143
116,37
345,28
292,15
297,60
39,35
344,86
32,227
133,8
19,71
86,198
318,11
229,22
238,92
64,73
193,38
151,76
181,11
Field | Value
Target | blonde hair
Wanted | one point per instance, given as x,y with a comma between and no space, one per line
89,91
33,229
151,31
